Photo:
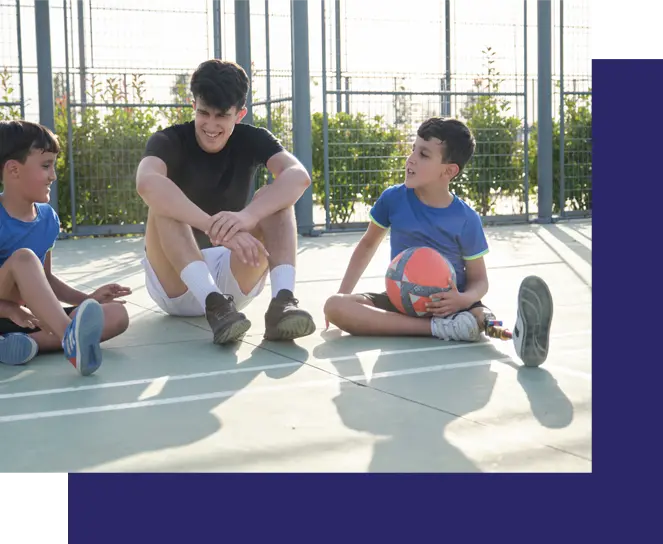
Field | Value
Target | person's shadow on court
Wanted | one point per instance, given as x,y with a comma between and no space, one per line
410,414
115,440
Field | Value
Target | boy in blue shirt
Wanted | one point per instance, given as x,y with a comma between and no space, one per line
31,316
423,212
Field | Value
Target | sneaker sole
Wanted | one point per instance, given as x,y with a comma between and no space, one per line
290,328
233,332
17,349
535,311
87,332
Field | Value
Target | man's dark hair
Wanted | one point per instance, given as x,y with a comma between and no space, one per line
220,84
19,138
458,144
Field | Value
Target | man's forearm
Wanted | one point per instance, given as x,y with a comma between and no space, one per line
165,198
284,192
65,293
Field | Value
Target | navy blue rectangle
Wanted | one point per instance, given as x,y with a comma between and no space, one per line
627,180
336,508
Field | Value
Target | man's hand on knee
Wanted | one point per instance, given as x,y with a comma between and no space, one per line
247,247
225,225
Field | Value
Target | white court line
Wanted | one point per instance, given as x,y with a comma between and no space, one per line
280,387
149,381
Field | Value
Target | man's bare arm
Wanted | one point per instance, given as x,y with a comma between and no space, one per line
290,181
164,197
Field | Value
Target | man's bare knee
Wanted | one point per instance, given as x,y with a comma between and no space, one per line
170,247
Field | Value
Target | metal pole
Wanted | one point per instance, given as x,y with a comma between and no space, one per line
268,69
70,130
301,94
268,77
19,40
562,188
526,116
91,36
325,121
337,19
45,75
243,47
447,38
81,49
545,133
216,22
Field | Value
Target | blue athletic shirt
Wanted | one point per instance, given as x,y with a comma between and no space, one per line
455,231
38,235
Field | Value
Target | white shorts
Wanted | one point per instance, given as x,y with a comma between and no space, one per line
186,305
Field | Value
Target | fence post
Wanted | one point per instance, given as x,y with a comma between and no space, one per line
216,18
545,124
243,46
337,48
45,76
301,98
562,195
446,110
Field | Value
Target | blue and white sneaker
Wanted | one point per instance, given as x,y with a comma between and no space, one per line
17,348
82,338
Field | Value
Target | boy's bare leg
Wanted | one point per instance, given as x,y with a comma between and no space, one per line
22,279
356,315
116,321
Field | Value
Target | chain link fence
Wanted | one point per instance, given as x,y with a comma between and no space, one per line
12,96
121,70
572,183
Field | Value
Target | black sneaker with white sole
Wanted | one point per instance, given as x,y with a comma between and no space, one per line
228,325
531,335
284,320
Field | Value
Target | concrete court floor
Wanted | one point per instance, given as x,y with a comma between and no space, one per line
167,399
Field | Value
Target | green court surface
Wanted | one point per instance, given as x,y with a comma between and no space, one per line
167,399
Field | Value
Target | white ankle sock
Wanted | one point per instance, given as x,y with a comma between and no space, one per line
282,277
197,278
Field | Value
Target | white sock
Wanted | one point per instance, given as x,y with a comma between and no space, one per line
197,278
282,277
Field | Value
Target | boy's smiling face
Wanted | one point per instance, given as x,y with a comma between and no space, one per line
32,180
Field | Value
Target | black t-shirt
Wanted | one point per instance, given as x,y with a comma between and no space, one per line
213,181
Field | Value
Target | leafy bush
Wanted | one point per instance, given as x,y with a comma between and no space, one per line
7,96
365,154
365,157
577,155
497,168
107,144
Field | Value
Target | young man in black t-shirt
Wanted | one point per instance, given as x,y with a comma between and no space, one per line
207,251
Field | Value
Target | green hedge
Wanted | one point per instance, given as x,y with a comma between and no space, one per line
366,154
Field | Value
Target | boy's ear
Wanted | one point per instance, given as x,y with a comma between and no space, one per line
12,168
452,170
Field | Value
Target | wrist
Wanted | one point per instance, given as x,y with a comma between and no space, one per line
202,222
251,214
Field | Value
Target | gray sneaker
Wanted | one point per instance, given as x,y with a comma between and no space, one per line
460,327
531,334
